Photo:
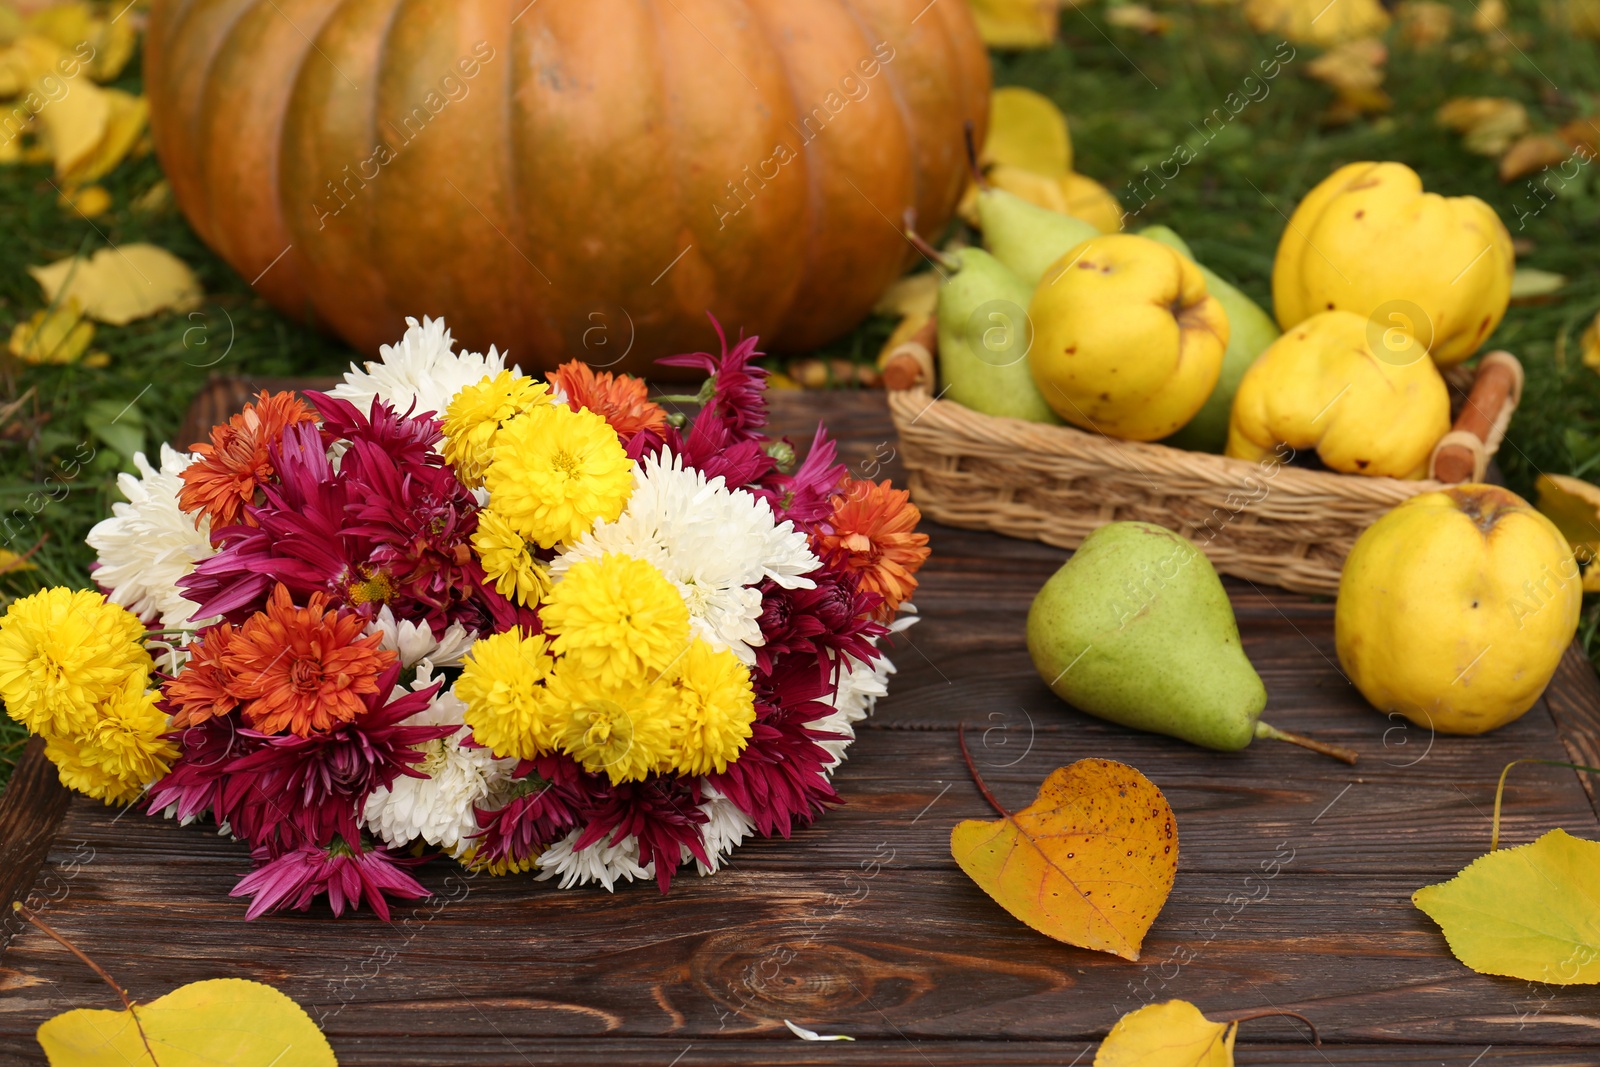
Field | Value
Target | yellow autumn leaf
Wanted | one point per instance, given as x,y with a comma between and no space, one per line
1533,152
1090,862
1590,344
1170,1034
1132,16
1027,130
1574,506
911,294
1489,16
23,62
1488,124
1318,22
11,561
57,334
202,1024
1425,23
119,285
1092,202
106,39
1531,912
1017,23
66,24
91,201
125,124
72,126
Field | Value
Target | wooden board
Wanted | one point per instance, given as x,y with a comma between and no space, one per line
862,924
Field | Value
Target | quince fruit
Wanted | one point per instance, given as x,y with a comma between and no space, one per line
1369,240
1455,608
1325,385
1127,341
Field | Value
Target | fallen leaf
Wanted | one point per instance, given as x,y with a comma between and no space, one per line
1092,202
126,119
1352,67
156,198
1590,345
1574,506
222,1020
1488,124
1171,1034
11,561
1583,134
72,126
56,335
119,285
1531,286
91,201
1318,22
23,62
1017,23
1531,153
1583,17
1138,17
1531,912
111,37
1425,23
905,331
1026,130
911,294
1489,15
1089,862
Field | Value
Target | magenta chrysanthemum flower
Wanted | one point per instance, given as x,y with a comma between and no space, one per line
390,526
347,876
663,813
738,397
317,785
834,616
551,791
780,779
198,780
806,496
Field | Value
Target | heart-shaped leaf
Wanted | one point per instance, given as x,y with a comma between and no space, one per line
1089,862
1172,1034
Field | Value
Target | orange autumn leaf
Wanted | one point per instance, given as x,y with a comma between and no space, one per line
1089,862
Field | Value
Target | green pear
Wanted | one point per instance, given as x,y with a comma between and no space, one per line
984,334
1250,330
1136,629
1025,237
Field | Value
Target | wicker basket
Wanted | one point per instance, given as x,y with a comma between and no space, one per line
1273,523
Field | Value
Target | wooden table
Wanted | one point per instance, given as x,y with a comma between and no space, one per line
911,958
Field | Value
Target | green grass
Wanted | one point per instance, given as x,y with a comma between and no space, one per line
1131,98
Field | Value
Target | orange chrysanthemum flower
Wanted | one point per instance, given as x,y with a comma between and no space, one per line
303,669
622,400
203,689
235,464
873,531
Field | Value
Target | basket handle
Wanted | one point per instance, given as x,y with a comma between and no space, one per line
911,362
1462,455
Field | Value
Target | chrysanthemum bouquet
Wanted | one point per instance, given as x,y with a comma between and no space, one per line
448,608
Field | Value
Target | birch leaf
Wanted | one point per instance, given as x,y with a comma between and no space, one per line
119,285
1171,1034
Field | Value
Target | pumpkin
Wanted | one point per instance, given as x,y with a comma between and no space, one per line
566,178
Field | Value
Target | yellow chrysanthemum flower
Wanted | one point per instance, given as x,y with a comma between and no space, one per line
62,652
624,731
476,414
716,707
555,472
79,772
128,740
502,683
507,561
616,618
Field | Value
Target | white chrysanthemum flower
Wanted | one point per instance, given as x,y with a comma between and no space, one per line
423,369
600,862
414,642
148,544
726,827
714,543
439,809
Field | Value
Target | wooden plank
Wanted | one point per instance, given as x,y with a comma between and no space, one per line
906,955
30,810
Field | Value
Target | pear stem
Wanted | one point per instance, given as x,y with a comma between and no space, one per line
917,241
1338,752
977,779
1316,1039
971,136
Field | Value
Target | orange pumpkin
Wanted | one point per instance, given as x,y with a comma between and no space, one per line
566,178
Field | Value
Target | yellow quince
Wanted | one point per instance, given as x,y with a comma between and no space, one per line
1326,385
1455,608
1126,340
1369,240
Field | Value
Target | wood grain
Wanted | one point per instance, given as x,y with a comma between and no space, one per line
1293,888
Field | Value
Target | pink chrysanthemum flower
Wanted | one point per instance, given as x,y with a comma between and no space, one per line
347,876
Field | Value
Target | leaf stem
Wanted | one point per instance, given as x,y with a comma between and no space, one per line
1500,790
1338,752
122,994
30,915
1316,1039
977,779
